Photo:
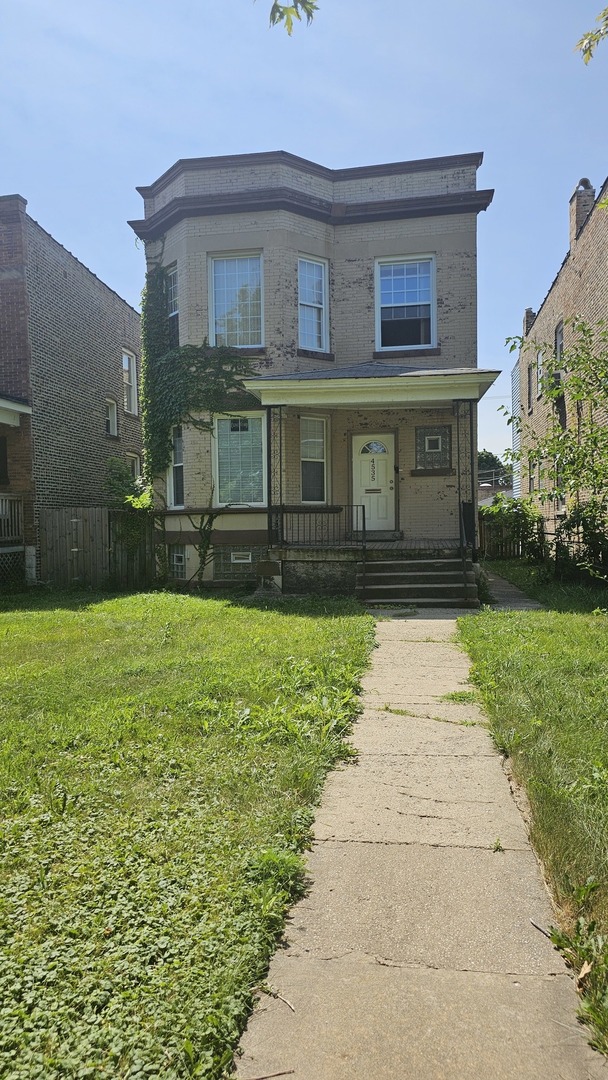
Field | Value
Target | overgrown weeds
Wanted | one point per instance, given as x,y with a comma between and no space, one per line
542,676
161,757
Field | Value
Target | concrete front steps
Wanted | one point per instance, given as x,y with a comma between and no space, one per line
438,582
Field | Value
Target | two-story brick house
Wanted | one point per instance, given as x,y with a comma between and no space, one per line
69,361
354,291
579,291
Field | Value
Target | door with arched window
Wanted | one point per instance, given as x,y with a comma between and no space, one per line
374,480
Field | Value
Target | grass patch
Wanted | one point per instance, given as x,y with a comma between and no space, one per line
542,676
539,583
161,756
461,697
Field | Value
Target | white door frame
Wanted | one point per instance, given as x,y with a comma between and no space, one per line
391,480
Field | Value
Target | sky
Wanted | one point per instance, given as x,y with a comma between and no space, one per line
99,97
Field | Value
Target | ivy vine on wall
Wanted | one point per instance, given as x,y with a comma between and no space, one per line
187,384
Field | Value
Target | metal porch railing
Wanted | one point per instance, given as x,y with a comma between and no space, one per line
316,527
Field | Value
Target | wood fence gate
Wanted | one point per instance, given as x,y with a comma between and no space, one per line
89,545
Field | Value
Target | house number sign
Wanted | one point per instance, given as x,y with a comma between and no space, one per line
372,470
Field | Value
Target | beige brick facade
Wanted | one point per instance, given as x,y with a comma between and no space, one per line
579,291
281,208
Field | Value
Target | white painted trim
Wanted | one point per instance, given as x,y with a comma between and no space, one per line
326,437
211,258
383,261
324,264
400,391
133,371
12,411
215,460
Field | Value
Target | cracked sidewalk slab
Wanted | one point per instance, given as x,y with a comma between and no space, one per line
363,1019
371,901
418,799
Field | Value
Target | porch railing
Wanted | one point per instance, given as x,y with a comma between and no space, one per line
11,520
310,526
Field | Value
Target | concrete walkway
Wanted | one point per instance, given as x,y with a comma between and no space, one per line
413,957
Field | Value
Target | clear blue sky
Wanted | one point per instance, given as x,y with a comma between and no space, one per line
99,97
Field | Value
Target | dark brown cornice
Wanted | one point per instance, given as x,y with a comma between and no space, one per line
295,202
282,157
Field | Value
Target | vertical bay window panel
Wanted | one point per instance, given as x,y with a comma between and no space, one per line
241,473
312,305
236,301
173,306
176,472
313,459
405,304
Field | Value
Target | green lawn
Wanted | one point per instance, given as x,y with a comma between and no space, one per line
543,678
160,758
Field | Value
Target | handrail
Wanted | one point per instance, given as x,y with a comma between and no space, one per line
335,526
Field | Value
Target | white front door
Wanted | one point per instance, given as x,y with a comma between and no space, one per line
374,480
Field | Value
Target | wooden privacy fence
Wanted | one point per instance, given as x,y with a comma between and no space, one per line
96,547
496,541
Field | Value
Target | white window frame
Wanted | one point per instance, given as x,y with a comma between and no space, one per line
216,463
134,463
403,259
325,421
178,550
172,291
170,472
559,345
324,346
540,371
433,449
129,376
111,417
220,257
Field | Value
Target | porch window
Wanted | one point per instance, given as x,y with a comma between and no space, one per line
236,301
240,461
434,447
405,301
312,304
176,472
313,459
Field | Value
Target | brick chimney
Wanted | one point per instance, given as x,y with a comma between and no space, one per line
581,205
529,317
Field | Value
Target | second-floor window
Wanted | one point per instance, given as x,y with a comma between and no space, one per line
129,378
236,301
111,417
405,303
173,306
559,346
312,305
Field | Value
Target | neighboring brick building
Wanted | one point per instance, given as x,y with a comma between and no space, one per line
580,290
69,360
354,290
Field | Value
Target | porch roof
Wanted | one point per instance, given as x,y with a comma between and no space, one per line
12,409
373,385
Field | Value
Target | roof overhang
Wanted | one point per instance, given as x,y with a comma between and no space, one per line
12,411
411,390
